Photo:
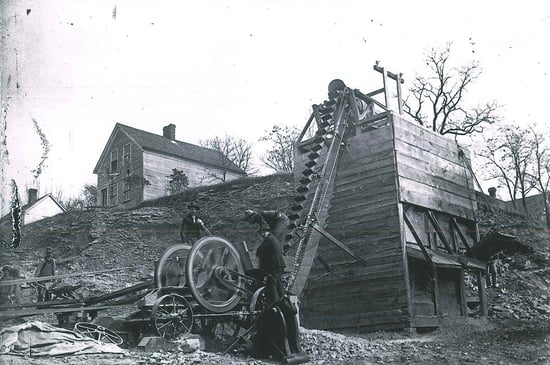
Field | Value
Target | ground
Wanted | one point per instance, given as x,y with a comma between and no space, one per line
517,330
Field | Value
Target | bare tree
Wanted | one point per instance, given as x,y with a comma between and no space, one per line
508,156
234,152
437,100
541,170
279,156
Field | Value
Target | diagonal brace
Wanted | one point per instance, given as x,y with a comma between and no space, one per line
334,240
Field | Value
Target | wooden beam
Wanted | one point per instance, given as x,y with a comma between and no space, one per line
439,231
463,301
54,277
334,240
306,127
13,314
482,293
417,238
391,75
461,235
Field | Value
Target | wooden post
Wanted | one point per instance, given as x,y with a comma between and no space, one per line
436,290
399,98
482,293
463,300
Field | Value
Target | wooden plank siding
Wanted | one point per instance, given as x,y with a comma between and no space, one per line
363,215
431,171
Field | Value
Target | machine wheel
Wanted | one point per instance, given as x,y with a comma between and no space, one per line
170,270
98,333
214,274
172,316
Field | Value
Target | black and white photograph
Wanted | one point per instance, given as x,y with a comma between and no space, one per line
252,182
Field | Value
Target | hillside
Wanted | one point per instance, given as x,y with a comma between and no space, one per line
98,239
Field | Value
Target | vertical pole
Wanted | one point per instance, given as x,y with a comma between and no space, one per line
399,98
385,80
435,289
482,293
463,300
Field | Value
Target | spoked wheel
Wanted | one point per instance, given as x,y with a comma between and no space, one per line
98,333
170,270
214,274
172,316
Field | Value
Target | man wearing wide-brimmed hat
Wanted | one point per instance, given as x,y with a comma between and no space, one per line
192,225
46,268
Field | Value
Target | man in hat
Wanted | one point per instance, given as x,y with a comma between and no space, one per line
192,225
46,268
276,221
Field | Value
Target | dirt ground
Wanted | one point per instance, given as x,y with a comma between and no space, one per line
459,341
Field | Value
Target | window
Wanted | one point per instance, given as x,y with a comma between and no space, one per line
126,156
114,161
103,202
125,191
113,194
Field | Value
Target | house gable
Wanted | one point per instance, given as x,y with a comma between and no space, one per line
47,206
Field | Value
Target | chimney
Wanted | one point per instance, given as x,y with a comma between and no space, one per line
32,196
169,132
492,192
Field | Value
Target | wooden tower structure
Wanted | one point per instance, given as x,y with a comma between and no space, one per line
384,218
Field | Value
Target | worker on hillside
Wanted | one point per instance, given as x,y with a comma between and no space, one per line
276,221
492,271
46,268
192,225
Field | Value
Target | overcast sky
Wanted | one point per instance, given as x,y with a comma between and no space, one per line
235,67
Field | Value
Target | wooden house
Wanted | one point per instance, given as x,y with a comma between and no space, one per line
136,165
36,208
399,220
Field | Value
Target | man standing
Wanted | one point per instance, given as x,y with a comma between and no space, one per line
271,261
275,220
192,225
46,268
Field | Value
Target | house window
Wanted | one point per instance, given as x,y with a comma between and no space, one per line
126,156
125,191
113,194
103,202
114,161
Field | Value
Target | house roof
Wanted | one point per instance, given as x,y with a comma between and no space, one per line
27,206
157,143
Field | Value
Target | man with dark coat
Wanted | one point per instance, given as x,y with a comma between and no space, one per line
275,220
46,268
272,263
191,225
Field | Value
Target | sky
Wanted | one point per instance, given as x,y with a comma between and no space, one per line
72,69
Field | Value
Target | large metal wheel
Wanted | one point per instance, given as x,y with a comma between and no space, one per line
214,274
172,316
170,270
98,333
